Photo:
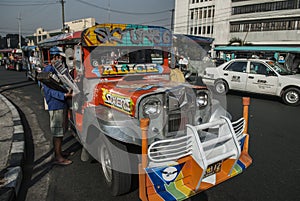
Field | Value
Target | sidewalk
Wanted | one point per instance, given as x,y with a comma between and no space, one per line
12,147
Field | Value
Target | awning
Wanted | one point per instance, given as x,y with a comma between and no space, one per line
62,39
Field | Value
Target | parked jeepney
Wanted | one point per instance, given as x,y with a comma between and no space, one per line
31,62
133,119
14,60
4,55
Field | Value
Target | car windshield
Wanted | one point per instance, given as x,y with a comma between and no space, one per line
279,68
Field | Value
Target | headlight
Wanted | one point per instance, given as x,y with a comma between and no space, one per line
152,107
202,99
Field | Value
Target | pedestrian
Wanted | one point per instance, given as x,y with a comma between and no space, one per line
176,74
32,60
12,59
57,107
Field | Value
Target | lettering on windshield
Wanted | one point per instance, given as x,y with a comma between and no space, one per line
130,69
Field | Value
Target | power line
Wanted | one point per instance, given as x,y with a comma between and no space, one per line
29,4
120,11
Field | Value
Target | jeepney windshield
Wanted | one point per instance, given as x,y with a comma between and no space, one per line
124,55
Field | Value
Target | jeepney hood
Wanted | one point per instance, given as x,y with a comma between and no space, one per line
123,95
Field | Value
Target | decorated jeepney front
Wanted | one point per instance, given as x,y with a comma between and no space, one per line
189,144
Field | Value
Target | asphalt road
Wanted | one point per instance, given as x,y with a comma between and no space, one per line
274,130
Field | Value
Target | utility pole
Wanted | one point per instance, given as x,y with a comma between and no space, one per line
172,20
19,23
63,14
108,12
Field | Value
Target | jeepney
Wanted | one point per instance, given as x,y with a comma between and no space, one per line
132,119
14,60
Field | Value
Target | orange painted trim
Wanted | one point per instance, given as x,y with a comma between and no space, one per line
142,184
246,103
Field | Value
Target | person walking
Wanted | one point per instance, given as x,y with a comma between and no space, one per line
57,107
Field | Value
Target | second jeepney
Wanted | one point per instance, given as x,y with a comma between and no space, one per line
133,119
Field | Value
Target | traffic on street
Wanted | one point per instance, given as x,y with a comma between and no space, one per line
149,100
273,129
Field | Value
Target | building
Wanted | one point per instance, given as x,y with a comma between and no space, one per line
72,26
267,22
264,22
11,41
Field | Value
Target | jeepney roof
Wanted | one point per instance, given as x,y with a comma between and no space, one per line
126,35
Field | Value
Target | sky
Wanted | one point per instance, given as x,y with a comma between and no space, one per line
32,14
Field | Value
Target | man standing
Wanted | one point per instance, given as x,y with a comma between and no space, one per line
57,106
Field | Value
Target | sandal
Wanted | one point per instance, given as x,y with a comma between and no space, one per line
64,162
66,154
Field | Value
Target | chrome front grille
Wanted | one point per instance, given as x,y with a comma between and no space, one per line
180,109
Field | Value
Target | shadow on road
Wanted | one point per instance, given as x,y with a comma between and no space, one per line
15,85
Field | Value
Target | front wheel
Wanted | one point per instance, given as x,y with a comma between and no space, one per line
221,87
115,165
291,96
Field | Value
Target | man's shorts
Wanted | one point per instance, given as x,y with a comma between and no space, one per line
58,122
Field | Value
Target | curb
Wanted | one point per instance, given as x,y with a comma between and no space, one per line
12,174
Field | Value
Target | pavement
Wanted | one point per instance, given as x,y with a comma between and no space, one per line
12,150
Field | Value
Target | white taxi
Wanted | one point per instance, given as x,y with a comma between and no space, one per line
257,76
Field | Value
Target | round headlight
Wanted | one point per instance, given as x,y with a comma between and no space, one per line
152,107
202,99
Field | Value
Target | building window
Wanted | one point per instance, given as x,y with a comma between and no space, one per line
204,30
266,25
195,31
264,7
199,30
209,13
192,15
191,30
208,30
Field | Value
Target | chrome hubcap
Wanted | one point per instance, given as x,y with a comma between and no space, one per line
220,88
292,97
106,163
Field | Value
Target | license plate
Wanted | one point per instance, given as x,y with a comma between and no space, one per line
213,169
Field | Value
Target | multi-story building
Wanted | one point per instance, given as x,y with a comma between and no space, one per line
72,26
259,22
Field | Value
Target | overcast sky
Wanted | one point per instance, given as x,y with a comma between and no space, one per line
48,13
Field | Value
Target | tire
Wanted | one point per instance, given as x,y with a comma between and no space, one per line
221,87
291,96
114,155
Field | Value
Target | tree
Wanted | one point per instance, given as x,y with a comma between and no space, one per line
238,41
